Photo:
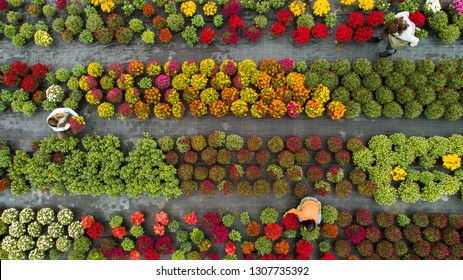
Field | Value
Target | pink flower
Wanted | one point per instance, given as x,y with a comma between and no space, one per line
162,218
159,229
230,248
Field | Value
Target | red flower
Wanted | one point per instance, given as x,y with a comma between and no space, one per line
304,248
60,4
375,18
159,229
273,231
278,29
355,234
210,256
39,70
137,218
268,257
253,228
327,256
95,231
344,33
211,220
235,22
363,34
232,7
134,255
320,31
290,221
285,17
87,221
19,68
301,35
207,36
152,255
119,232
230,36
355,19
417,18
219,234
9,79
29,84
252,33
144,244
190,218
230,248
163,245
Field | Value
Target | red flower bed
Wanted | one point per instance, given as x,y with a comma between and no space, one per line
87,221
235,22
301,35
231,7
291,222
230,248
320,31
278,29
355,19
39,70
144,244
327,256
152,255
273,231
29,84
19,68
9,79
207,36
375,18
344,33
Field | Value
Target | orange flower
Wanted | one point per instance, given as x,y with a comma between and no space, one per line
253,228
218,108
247,247
165,36
141,110
264,81
3,184
277,108
229,95
152,95
336,110
282,247
330,231
148,10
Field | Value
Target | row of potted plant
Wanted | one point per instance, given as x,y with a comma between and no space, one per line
89,22
393,236
410,162
403,88
45,233
230,236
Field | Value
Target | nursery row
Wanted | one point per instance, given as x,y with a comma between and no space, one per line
270,88
88,24
25,233
389,167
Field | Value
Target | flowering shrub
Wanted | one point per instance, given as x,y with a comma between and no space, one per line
344,33
301,35
355,234
330,231
320,31
273,231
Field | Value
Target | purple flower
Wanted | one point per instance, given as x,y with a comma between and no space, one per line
162,81
3,5
287,64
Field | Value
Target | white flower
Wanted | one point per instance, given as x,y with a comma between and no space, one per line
432,6
55,93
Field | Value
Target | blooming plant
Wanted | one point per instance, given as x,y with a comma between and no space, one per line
321,7
77,124
190,218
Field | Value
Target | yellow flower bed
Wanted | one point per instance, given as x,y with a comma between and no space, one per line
106,6
95,69
210,8
336,110
321,93
314,109
188,8
451,161
398,174
347,2
105,110
239,108
321,7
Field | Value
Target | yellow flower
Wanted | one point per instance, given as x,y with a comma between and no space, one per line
451,161
210,8
188,8
321,93
95,69
297,7
366,4
398,174
107,6
321,7
347,2
314,108
336,110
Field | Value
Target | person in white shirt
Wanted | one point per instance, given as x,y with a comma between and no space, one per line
58,120
401,32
